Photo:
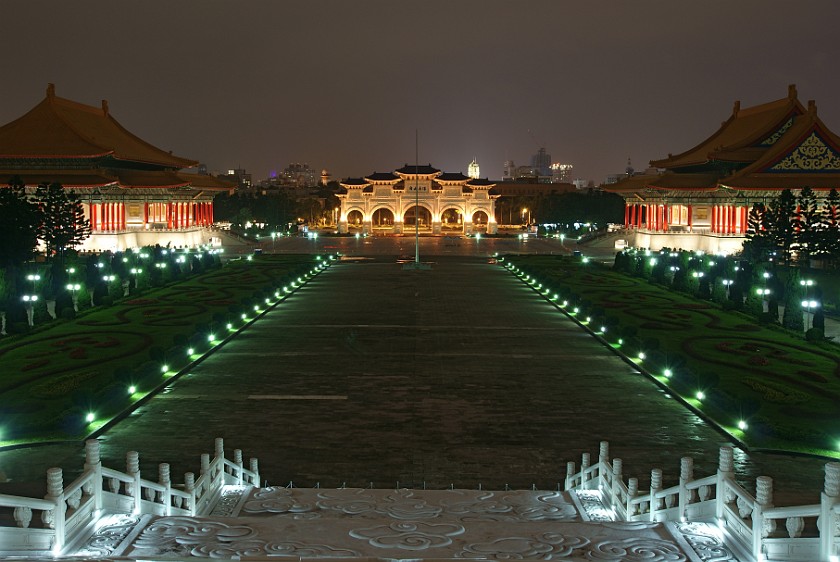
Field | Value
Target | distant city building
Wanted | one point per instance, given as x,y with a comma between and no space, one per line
473,170
541,170
561,173
325,176
541,163
238,176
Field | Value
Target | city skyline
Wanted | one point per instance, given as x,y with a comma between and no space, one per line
344,86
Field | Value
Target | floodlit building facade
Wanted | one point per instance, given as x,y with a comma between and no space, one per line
133,193
702,197
420,197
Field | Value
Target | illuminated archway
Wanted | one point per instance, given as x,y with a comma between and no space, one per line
382,218
480,219
452,219
421,214
355,219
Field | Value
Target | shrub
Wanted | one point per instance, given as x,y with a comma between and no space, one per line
68,313
106,300
815,335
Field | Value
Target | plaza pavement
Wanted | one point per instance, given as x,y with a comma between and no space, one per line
373,376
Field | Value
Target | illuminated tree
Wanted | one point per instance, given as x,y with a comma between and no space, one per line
63,224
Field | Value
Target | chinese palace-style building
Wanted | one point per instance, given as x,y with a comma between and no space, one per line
702,199
133,193
390,203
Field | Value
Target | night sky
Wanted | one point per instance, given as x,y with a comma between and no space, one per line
344,84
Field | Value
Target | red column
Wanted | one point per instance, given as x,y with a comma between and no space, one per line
667,220
689,217
168,215
210,208
732,219
93,217
714,218
124,216
743,220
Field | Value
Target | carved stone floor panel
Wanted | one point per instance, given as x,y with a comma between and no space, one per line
404,524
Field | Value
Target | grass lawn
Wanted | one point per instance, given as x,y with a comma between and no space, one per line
104,361
785,389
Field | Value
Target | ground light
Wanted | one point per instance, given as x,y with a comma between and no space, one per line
210,337
667,373
164,368
742,425
190,351
700,395
90,417
641,356
229,326
132,389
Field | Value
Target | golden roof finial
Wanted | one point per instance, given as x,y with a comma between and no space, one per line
50,90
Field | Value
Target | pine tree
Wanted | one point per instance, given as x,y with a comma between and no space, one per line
782,224
63,223
806,223
759,241
18,224
828,238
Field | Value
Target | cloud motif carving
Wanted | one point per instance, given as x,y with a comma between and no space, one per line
636,550
409,535
547,546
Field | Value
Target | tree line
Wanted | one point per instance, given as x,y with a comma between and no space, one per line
795,228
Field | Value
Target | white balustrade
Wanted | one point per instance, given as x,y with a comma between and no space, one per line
765,531
45,526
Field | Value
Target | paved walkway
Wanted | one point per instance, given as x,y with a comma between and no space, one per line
459,375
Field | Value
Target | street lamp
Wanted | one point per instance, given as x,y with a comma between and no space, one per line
34,278
727,283
135,271
73,288
29,303
809,306
273,237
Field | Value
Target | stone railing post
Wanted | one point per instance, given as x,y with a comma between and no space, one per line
93,463
686,476
237,460
255,468
189,487
615,492
763,500
632,492
132,468
584,476
827,522
604,470
165,480
724,476
55,518
655,486
205,465
570,472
